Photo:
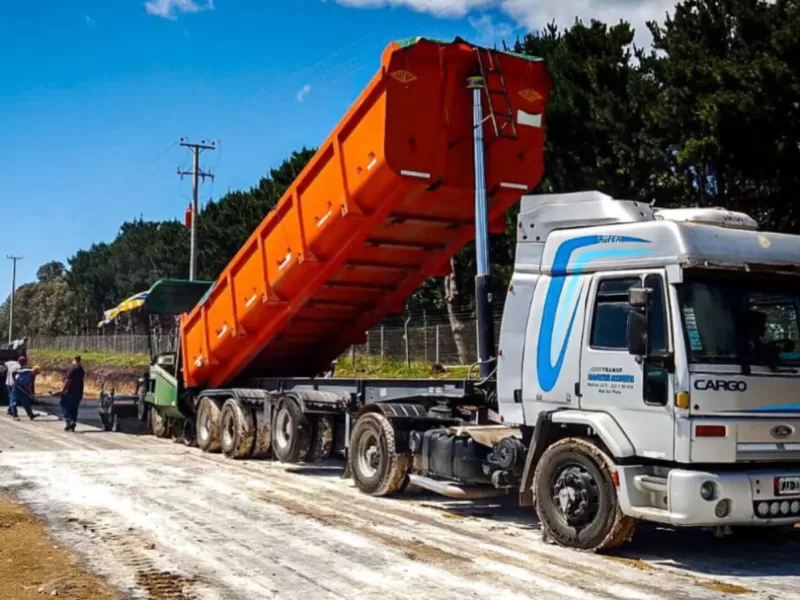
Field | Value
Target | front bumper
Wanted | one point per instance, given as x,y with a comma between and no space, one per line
739,498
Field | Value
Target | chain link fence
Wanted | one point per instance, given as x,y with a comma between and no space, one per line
429,340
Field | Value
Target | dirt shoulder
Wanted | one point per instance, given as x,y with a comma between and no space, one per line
101,370
33,566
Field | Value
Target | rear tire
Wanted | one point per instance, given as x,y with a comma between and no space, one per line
237,431
291,433
207,424
321,439
576,499
159,426
377,468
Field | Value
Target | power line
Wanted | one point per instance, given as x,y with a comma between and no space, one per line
196,174
14,260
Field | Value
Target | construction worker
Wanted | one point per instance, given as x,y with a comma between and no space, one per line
72,394
12,368
24,391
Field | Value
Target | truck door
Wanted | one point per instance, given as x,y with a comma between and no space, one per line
612,380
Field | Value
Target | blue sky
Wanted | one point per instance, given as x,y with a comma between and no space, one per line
94,95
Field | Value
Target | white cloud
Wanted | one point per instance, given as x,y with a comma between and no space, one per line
89,21
169,9
444,8
491,32
534,15
304,91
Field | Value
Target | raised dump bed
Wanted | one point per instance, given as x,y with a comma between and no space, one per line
382,206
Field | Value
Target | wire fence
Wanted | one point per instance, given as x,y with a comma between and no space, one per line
430,343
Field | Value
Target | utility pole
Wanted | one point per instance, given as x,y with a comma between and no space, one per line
196,174
13,260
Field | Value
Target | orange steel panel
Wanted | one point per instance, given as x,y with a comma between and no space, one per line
382,206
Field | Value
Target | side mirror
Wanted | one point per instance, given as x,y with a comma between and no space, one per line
637,333
640,298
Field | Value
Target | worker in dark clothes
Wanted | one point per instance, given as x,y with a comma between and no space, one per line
23,392
72,394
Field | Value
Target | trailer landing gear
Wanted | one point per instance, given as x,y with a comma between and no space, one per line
576,499
377,468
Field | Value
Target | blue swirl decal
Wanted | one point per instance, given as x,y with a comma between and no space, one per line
548,372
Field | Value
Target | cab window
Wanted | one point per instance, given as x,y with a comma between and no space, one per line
610,319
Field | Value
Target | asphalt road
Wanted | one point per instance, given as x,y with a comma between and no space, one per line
142,510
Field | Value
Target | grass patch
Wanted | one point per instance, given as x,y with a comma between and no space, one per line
100,359
374,367
365,366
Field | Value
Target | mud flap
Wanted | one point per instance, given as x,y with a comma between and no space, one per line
543,435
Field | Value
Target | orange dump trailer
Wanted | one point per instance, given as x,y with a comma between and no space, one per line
382,206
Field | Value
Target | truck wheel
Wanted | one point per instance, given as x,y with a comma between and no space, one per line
576,499
376,466
291,433
237,431
159,426
321,439
207,425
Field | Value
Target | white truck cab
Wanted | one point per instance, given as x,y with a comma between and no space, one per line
667,340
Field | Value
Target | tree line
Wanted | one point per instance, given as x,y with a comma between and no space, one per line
709,116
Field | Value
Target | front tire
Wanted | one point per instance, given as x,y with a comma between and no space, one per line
237,431
207,425
576,499
377,468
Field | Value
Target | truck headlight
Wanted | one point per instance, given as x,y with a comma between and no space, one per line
796,506
784,507
763,509
723,508
707,490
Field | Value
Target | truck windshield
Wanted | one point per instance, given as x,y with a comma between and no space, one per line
754,323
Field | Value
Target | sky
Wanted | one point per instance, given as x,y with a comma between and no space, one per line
95,95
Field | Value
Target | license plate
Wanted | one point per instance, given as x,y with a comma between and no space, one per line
787,486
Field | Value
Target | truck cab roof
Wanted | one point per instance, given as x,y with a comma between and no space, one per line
563,234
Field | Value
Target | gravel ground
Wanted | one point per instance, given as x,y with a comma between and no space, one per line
163,521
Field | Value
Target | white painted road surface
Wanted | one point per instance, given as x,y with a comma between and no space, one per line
142,510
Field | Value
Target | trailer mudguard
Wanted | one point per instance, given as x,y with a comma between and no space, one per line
316,402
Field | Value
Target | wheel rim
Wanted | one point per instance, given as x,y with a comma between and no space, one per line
227,431
575,495
283,429
204,432
368,455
